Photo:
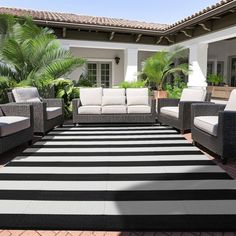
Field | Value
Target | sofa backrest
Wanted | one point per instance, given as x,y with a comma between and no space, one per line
231,104
137,96
189,94
91,96
113,97
26,94
113,92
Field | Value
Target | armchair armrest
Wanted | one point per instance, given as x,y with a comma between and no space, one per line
152,103
167,102
206,109
75,104
227,132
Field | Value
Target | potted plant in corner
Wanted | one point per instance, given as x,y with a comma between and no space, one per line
160,65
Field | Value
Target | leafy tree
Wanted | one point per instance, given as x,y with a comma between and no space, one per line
31,55
161,64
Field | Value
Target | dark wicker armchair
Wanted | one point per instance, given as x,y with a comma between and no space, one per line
177,112
214,127
16,125
48,113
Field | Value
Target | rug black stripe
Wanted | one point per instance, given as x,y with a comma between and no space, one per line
113,145
158,153
115,177
110,129
168,223
111,163
158,195
113,139
114,134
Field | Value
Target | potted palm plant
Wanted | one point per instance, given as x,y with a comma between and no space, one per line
160,65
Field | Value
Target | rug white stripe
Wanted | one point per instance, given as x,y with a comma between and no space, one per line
111,170
68,158
108,149
203,207
92,137
117,185
135,142
114,132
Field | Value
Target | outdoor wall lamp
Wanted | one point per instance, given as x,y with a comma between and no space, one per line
117,59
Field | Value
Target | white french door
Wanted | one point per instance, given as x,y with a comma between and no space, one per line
100,73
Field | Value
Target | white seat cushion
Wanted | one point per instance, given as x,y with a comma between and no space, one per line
231,104
13,124
89,110
139,109
26,94
113,92
113,100
53,112
189,94
114,109
208,124
91,96
170,111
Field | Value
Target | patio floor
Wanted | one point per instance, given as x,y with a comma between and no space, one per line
230,168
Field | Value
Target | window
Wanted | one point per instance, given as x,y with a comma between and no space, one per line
100,73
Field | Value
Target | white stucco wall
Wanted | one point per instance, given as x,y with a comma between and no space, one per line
221,51
94,54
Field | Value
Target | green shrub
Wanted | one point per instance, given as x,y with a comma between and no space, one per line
175,90
134,84
214,79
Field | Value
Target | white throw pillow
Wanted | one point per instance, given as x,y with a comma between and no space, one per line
113,92
137,100
24,94
91,96
189,94
113,100
231,104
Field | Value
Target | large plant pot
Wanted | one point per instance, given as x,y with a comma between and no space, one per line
160,94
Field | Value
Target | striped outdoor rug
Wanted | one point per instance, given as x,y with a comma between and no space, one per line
116,178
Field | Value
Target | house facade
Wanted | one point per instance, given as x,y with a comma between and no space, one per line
115,49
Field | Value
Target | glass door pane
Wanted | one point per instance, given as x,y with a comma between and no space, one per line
105,75
92,73
233,71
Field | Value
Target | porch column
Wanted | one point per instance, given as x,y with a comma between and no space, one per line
130,64
198,65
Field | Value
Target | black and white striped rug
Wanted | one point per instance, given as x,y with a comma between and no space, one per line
116,178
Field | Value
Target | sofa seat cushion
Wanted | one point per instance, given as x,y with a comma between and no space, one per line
208,124
170,111
114,109
13,124
91,96
113,100
89,110
137,100
53,112
139,109
25,94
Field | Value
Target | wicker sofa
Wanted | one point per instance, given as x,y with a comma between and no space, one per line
214,127
48,113
177,112
97,105
16,126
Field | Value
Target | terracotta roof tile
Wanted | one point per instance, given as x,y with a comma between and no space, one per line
106,21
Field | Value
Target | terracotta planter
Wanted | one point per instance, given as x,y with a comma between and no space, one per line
160,94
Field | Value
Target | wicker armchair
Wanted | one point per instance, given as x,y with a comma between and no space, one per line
48,113
177,112
16,125
214,127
